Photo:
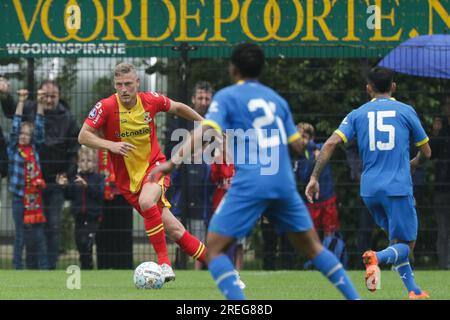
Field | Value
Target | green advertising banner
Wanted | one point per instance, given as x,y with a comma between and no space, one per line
328,28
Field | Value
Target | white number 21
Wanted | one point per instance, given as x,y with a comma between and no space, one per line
390,129
267,119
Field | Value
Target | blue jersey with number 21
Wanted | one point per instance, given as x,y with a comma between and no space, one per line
261,157
384,128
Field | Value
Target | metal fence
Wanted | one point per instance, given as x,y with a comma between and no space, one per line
319,90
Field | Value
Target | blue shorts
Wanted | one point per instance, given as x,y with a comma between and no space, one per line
395,214
236,215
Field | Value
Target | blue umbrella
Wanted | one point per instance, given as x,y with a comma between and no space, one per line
425,56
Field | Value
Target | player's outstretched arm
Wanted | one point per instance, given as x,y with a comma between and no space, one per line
313,188
187,149
89,137
325,154
184,111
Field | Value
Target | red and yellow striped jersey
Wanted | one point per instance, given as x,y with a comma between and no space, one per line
135,126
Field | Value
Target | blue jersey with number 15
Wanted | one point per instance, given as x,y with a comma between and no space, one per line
384,128
263,127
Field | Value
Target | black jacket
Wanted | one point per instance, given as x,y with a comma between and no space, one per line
86,202
59,152
3,156
440,146
197,202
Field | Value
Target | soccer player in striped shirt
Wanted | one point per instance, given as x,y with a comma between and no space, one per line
124,125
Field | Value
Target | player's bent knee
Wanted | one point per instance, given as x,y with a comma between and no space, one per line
410,244
149,196
146,204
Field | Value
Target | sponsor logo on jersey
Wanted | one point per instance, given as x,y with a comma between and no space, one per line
127,134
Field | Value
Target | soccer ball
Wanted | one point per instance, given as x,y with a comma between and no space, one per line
148,275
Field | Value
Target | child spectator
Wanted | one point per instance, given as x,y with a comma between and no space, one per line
323,211
26,184
86,195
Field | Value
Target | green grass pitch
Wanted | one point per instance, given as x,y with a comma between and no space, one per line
198,285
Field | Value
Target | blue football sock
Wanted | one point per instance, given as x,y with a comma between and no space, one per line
397,254
393,254
329,265
226,278
406,274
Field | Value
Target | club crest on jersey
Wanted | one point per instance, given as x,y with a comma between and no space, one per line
147,118
93,113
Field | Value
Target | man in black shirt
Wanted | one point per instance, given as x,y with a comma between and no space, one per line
440,144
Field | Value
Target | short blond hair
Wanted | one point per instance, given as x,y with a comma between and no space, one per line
124,68
307,128
89,153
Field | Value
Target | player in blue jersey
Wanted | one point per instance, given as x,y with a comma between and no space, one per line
264,179
383,128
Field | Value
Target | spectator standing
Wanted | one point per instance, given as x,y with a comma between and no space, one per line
3,156
57,155
198,195
3,149
323,211
26,184
86,195
440,144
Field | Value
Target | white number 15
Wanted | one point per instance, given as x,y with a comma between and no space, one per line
390,129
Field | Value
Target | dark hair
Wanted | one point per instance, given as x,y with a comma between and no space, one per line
248,58
50,82
381,79
202,85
